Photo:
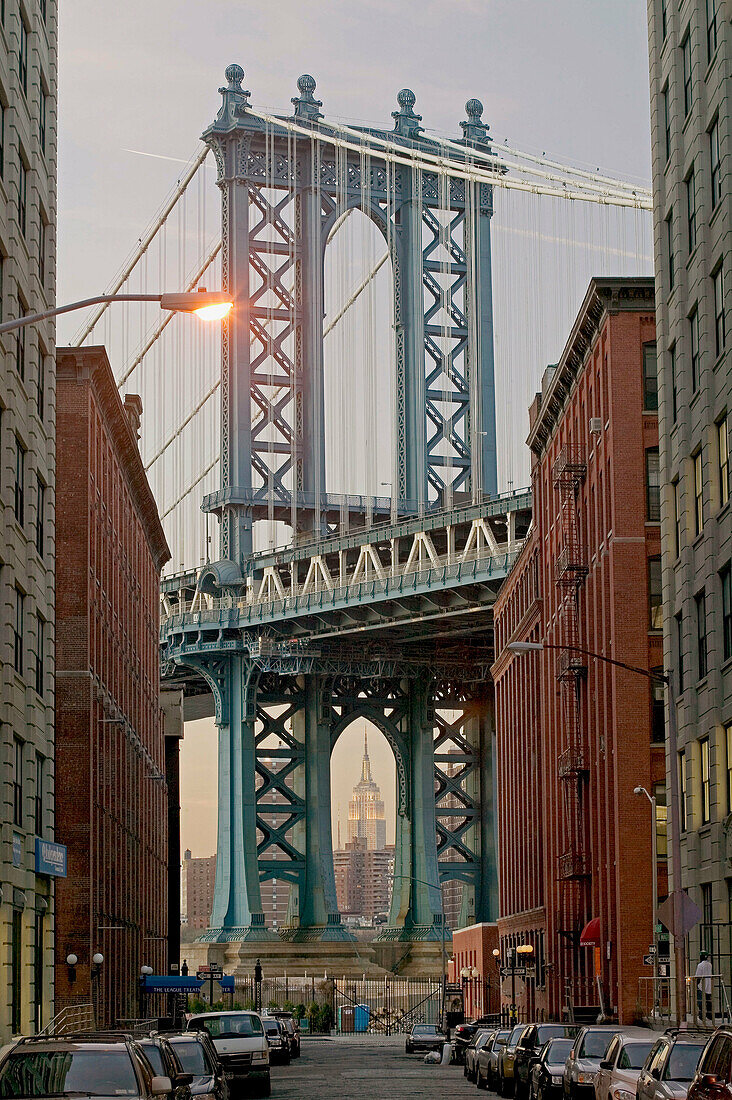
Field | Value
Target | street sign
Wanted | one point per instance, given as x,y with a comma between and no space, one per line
690,913
507,971
648,960
651,949
209,973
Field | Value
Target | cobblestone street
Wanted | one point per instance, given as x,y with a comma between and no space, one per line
365,1069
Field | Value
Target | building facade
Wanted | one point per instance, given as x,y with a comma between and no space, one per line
111,793
475,968
366,817
197,878
588,578
28,40
689,46
363,878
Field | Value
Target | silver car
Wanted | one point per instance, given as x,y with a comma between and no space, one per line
618,1073
583,1063
670,1067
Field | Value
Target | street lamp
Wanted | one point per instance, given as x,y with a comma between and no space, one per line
71,961
654,865
674,809
209,305
511,953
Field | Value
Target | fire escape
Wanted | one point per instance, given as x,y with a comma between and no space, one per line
571,569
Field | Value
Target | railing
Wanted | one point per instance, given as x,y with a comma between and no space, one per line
571,762
570,466
657,1001
72,1018
573,864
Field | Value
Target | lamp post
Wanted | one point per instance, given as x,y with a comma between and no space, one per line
257,987
209,305
145,972
674,809
654,881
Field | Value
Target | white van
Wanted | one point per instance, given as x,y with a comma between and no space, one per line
242,1047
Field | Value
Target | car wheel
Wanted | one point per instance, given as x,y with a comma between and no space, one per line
480,1081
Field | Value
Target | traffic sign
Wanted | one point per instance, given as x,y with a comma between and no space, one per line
652,949
689,913
648,960
519,971
519,987
210,973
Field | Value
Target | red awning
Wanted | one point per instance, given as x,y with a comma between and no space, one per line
590,936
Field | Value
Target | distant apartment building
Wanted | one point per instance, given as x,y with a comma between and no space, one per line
690,46
111,792
575,734
197,880
366,817
363,878
28,45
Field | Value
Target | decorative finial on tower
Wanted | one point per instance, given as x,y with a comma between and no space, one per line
236,100
366,763
306,105
407,122
475,130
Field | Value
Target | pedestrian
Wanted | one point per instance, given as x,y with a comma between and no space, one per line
703,975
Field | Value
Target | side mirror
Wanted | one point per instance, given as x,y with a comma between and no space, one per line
161,1086
604,1064
182,1079
708,1080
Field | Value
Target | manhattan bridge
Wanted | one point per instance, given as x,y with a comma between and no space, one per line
336,468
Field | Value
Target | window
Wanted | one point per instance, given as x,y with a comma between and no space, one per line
707,932
666,108
658,716
650,378
705,781
40,646
682,791
725,578
41,384
723,454
18,782
691,208
664,19
2,139
16,966
674,392
728,746
659,793
680,650
711,28
694,342
23,56
670,249
677,516
40,515
720,333
42,120
18,632
20,346
43,10
686,66
701,634
22,195
653,486
714,162
698,493
19,504
40,775
38,969
655,595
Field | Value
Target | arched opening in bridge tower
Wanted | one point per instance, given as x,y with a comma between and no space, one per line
363,813
359,359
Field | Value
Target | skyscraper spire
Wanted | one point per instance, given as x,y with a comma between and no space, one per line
366,765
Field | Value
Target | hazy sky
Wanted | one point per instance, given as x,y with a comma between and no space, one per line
568,77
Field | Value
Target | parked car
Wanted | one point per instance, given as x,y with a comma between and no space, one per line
506,1057
670,1067
532,1039
487,1060
547,1070
293,1029
80,1065
471,1051
164,1063
197,1054
462,1037
619,1070
242,1048
278,1039
584,1059
424,1037
713,1078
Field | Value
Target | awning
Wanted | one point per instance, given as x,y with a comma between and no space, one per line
590,935
170,983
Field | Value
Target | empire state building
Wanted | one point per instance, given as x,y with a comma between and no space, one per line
366,819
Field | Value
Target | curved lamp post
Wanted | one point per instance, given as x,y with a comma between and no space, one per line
209,305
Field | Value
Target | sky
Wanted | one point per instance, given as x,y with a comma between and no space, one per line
569,78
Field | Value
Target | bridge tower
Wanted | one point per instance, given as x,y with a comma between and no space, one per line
285,183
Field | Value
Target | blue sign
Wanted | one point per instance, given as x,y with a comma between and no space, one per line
17,850
170,983
50,858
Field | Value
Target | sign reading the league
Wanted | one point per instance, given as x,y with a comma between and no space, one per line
50,858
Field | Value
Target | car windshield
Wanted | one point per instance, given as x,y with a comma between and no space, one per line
550,1031
633,1055
515,1035
595,1044
155,1058
425,1029
682,1062
557,1050
237,1026
192,1057
271,1027
31,1073
500,1038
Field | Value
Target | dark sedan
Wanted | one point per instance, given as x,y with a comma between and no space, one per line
547,1073
424,1037
532,1040
197,1054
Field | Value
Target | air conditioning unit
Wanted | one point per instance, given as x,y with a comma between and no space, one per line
595,425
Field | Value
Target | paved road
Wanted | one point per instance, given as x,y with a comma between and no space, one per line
365,1069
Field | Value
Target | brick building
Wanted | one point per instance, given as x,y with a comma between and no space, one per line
472,951
363,878
575,734
111,807
197,881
